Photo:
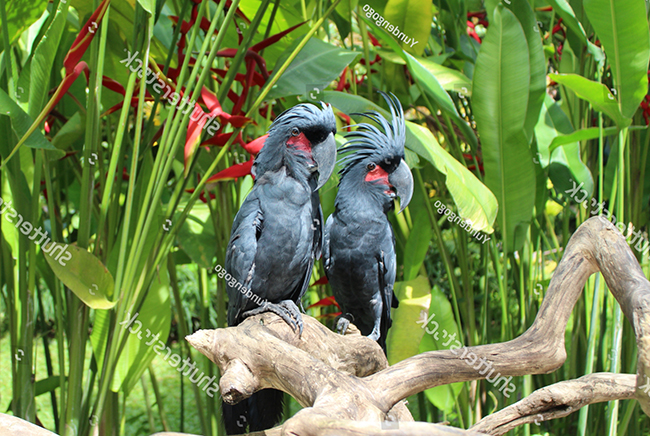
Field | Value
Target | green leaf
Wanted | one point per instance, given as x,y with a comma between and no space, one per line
148,5
150,325
71,133
412,20
21,14
317,64
155,316
424,77
595,93
196,237
21,122
404,335
622,27
580,135
43,60
565,11
499,103
417,244
427,80
82,272
441,334
430,85
43,387
564,165
345,8
450,80
473,199
524,13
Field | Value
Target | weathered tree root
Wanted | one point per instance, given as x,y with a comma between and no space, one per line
344,378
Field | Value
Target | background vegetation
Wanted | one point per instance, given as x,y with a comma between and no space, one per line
510,106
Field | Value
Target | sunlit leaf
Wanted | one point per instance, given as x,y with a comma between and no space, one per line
622,27
601,98
82,272
404,335
440,333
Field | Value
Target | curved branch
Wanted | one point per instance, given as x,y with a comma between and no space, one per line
596,245
559,400
323,370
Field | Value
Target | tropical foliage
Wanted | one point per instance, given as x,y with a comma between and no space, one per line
129,129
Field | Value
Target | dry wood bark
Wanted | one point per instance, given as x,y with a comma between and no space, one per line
11,425
345,378
558,400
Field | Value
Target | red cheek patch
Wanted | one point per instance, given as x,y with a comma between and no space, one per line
301,142
377,174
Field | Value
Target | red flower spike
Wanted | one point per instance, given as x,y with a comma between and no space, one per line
233,172
322,281
329,315
113,85
256,145
194,130
327,301
68,80
274,38
342,80
374,41
82,41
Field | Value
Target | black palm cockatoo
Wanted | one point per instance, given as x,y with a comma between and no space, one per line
276,237
359,244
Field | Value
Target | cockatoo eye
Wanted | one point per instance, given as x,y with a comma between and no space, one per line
371,166
295,131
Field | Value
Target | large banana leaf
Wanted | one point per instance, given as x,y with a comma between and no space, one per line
413,18
622,27
473,199
537,63
499,103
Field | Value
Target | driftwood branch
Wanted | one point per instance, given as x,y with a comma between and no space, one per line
11,425
346,378
559,400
